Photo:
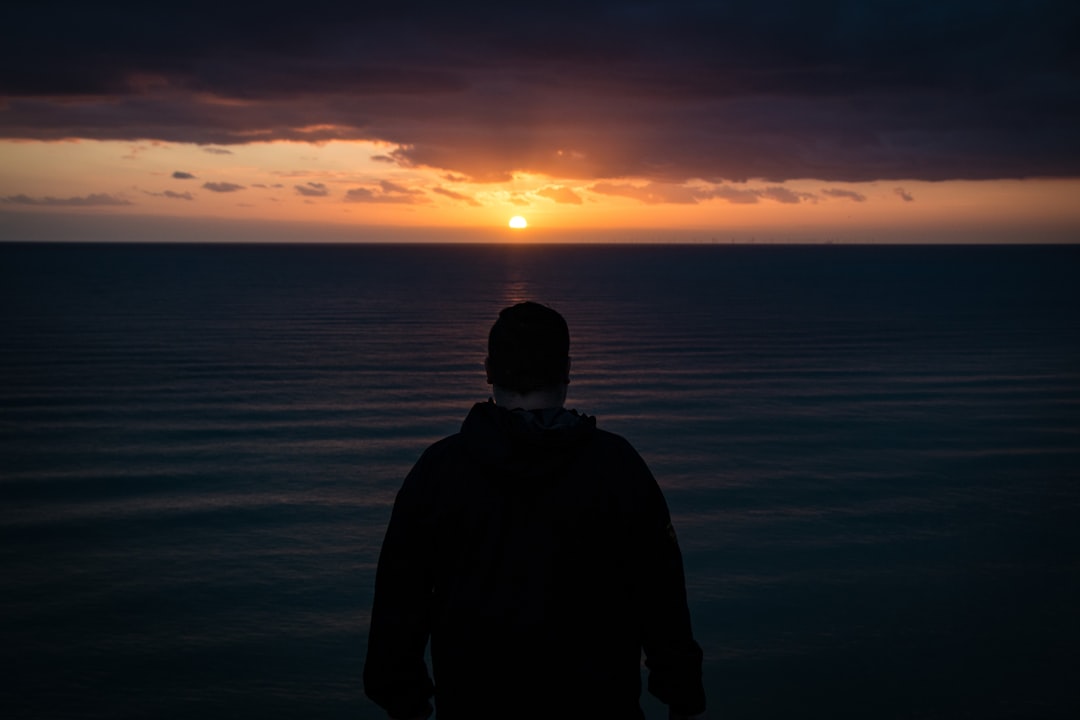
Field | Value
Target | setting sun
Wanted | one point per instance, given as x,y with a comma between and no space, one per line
518,222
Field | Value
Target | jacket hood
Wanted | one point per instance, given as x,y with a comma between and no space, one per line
529,443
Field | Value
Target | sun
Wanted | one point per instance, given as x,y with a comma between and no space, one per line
517,222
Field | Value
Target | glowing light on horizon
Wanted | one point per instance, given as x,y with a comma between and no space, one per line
518,223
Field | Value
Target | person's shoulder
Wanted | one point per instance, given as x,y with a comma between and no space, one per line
448,445
613,449
612,442
431,466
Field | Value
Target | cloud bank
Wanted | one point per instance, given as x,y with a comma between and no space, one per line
387,192
222,187
664,92
456,196
91,200
312,189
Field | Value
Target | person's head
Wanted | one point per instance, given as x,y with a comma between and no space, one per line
529,352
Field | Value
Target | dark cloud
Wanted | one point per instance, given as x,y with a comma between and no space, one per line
393,188
85,201
222,187
669,193
312,189
737,196
560,194
181,175
455,196
836,91
904,194
849,194
173,195
651,194
217,151
784,195
388,193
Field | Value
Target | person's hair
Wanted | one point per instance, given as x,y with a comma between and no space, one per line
528,348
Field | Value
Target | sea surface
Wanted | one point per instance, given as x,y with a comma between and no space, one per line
871,453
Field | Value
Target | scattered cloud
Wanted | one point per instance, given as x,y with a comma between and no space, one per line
383,159
312,189
670,193
222,187
217,151
172,195
455,196
786,196
849,194
651,194
560,194
91,200
904,194
735,196
368,195
393,188
181,175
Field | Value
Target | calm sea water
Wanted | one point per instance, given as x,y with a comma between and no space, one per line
872,455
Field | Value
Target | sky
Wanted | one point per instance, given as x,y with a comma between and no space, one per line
944,121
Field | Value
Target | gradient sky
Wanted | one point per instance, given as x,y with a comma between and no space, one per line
930,121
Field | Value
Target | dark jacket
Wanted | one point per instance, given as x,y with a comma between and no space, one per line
537,553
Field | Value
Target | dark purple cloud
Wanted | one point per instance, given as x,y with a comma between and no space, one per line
90,200
904,194
786,196
222,187
455,196
836,91
736,196
849,194
172,195
312,189
383,195
668,193
393,188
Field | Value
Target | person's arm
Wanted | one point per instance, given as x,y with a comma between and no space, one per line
395,674
673,657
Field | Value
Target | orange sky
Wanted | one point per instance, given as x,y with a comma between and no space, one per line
320,190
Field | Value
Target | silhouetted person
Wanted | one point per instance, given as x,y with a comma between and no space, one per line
537,554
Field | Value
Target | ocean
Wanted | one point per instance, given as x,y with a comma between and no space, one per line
871,455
